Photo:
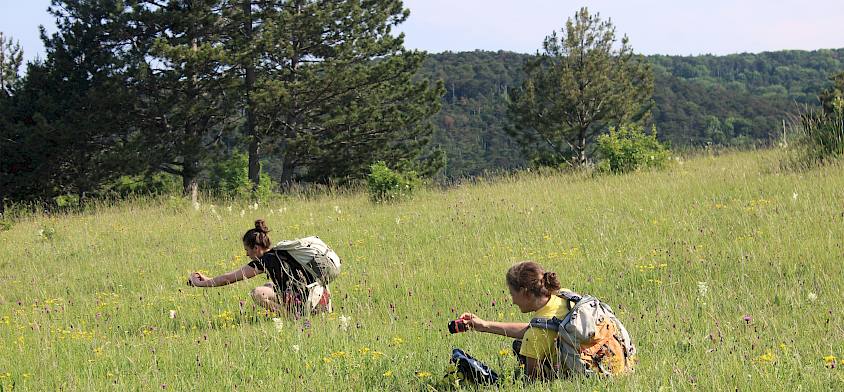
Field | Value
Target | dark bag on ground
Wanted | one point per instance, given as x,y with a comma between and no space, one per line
472,369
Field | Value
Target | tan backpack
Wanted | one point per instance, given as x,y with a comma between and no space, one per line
314,256
590,338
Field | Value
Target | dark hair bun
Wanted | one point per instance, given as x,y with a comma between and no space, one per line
261,226
550,281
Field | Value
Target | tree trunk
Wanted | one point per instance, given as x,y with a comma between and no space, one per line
286,171
190,172
580,148
249,83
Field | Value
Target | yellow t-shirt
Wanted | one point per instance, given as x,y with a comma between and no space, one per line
538,343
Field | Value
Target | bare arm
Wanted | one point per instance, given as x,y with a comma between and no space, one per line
506,329
245,272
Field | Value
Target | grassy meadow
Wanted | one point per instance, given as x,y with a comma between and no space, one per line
727,272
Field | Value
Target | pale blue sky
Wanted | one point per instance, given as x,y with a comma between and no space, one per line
654,26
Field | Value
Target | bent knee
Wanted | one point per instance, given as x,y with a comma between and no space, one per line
262,293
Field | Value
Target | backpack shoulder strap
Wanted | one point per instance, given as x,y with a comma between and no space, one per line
552,323
571,298
570,295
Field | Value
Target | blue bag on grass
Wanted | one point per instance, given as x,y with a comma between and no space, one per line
472,369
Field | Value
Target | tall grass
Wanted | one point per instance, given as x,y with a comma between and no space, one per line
728,275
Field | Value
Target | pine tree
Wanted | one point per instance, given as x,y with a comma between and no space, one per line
11,57
336,91
188,95
581,84
71,120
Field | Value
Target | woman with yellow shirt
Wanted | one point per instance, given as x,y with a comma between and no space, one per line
533,290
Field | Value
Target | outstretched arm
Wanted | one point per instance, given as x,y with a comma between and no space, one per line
245,272
507,329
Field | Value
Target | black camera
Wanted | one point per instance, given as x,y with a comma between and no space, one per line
459,325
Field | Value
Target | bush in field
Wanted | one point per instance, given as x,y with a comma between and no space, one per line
384,184
155,184
628,148
821,133
230,177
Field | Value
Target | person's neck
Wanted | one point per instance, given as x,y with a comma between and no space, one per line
540,302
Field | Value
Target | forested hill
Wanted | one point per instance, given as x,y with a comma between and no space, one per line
736,100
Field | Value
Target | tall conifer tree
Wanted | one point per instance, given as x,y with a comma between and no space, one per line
335,88
582,83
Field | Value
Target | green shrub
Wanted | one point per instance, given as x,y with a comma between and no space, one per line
628,148
821,133
230,177
385,184
153,184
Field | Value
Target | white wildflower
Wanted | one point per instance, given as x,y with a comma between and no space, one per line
702,288
229,208
196,205
794,196
295,348
344,322
254,206
338,210
41,232
813,297
279,324
242,212
172,314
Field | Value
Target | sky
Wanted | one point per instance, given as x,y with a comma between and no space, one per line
674,27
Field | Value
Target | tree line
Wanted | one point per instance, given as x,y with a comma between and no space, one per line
149,87
239,93
736,100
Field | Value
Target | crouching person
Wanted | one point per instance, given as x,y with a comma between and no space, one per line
568,334
299,272
533,291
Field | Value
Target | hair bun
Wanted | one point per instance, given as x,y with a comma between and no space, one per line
550,281
261,226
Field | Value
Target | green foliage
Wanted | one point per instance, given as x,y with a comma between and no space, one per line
347,95
11,58
154,184
230,178
628,148
833,94
749,111
581,83
820,134
386,185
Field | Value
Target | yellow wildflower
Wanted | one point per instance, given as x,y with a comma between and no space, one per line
767,357
829,359
504,352
388,373
423,374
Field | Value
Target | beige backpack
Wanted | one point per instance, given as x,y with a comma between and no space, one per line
314,256
590,338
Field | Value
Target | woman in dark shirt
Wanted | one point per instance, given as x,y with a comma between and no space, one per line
292,288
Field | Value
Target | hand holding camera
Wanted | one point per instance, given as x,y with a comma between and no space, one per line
195,277
465,322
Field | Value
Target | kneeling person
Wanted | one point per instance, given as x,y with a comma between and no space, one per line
299,272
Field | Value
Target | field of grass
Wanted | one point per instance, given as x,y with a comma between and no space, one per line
727,273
